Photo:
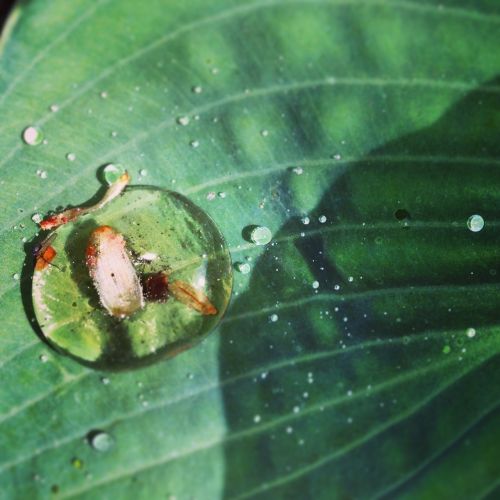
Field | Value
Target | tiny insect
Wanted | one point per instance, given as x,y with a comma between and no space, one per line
119,288
44,253
71,214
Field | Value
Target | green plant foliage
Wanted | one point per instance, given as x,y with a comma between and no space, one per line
359,357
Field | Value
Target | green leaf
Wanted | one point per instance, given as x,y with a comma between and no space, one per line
368,383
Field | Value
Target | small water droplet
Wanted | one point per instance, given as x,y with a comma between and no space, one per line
446,349
194,144
337,157
298,170
289,429
54,108
243,267
32,136
257,419
471,332
197,89
41,173
261,235
16,276
43,358
315,284
114,133
71,157
143,172
211,196
322,219
264,133
215,71
37,218
273,318
305,220
475,223
104,94
111,172
221,194
100,440
105,380
350,279
183,120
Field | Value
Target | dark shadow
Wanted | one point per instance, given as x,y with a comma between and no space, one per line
394,262
5,9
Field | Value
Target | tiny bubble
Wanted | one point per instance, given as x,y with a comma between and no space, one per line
54,108
322,219
183,120
71,157
197,89
194,144
273,318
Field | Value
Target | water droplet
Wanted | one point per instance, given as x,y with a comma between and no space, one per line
298,170
32,136
289,429
315,284
104,94
16,276
350,279
54,108
221,194
194,144
273,318
143,172
197,89
257,419
471,332
71,157
264,133
261,235
77,463
37,218
41,173
475,223
100,440
322,219
211,196
215,71
243,267
111,172
305,220
198,289
337,157
114,133
183,120
43,358
105,380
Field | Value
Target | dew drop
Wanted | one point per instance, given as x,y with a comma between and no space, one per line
337,157
32,136
257,419
41,173
264,133
54,108
104,94
71,157
183,120
243,267
305,220
16,276
111,172
471,332
298,170
261,235
273,318
475,223
105,380
100,440
194,144
43,358
211,196
221,194
143,172
197,89
37,218
315,284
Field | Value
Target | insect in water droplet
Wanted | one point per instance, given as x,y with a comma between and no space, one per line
118,285
44,253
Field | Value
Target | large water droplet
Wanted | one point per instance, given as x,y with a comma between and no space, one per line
32,136
193,267
111,172
475,223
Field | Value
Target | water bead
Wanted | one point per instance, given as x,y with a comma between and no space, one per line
151,221
111,172
100,440
322,219
243,267
71,157
32,136
261,235
475,223
183,120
